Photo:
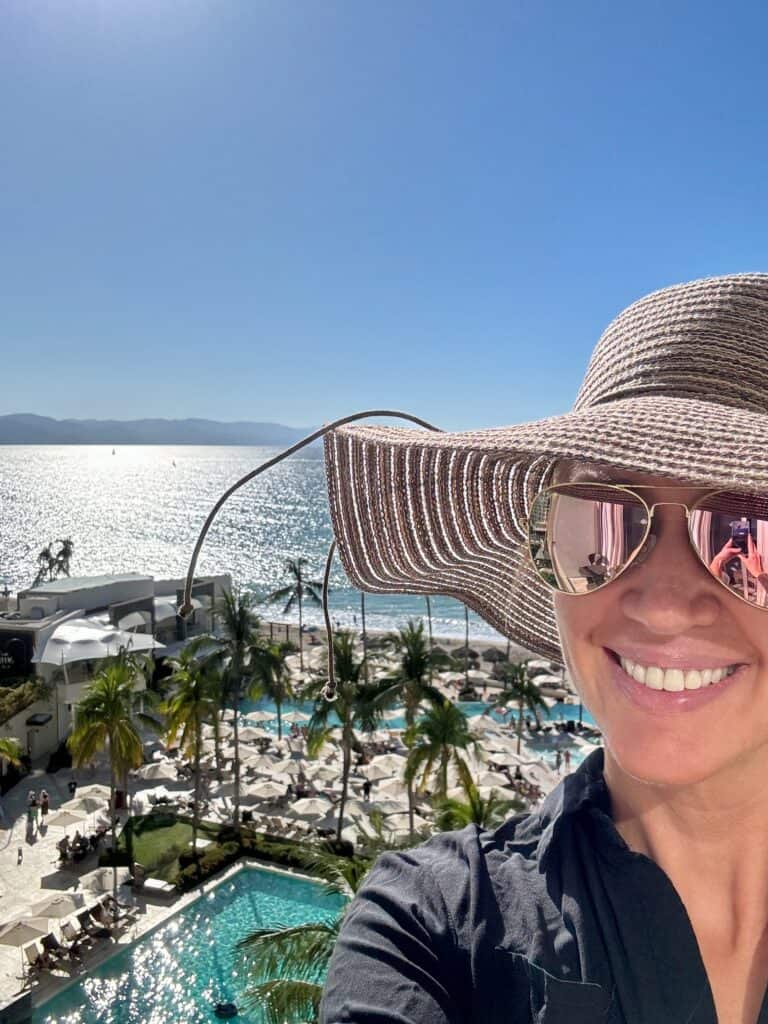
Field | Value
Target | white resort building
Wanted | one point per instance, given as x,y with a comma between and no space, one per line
55,633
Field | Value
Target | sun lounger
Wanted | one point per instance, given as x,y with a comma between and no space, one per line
59,950
75,936
37,960
93,927
158,887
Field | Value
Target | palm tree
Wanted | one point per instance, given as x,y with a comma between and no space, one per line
194,701
238,648
106,719
45,564
520,689
50,565
10,751
300,589
410,685
357,706
436,740
64,556
486,813
288,962
272,676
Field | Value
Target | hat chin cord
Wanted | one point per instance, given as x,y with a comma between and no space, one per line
329,691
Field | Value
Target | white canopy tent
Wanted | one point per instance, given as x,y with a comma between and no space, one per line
85,640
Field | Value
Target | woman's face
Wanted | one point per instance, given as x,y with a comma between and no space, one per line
667,612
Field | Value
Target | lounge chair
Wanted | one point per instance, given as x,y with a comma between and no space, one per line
59,950
37,960
159,887
91,926
75,936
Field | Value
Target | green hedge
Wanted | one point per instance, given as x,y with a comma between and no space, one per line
284,852
14,700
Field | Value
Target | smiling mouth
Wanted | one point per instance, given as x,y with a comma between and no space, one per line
674,680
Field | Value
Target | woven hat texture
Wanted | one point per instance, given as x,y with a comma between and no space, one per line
677,386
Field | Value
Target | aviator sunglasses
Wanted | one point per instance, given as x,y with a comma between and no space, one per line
583,536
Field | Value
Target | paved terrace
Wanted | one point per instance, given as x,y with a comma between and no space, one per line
30,872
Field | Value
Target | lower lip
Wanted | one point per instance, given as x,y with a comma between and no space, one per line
667,702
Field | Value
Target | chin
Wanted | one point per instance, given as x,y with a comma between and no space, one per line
661,759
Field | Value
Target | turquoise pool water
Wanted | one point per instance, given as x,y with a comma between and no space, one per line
176,974
557,713
545,747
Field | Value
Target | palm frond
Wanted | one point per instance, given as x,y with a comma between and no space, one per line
286,1000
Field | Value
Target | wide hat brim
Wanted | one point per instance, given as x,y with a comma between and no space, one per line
417,511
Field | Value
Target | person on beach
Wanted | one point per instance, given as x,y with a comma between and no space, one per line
637,891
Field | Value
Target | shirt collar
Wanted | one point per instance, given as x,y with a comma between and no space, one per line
583,788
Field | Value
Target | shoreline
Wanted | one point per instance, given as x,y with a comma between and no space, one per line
281,630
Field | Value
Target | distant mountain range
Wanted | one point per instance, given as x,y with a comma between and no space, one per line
26,428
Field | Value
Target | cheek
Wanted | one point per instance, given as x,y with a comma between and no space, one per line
581,621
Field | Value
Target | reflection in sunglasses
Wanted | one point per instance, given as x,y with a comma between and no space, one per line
582,536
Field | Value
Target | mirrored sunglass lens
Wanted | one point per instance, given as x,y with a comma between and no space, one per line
581,537
730,533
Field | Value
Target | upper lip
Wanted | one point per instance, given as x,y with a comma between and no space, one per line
677,657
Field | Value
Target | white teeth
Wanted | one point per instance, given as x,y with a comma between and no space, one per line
674,679
693,680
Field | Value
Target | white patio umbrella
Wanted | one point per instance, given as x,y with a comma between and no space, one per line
391,762
22,931
65,819
392,714
57,907
261,716
504,759
390,787
310,807
86,804
493,779
377,771
262,762
391,806
323,772
85,640
162,771
267,790
296,716
250,734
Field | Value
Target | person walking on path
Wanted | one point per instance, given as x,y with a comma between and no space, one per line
367,789
45,805
72,787
567,760
558,761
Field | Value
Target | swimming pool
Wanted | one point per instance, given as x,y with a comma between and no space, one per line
176,974
559,712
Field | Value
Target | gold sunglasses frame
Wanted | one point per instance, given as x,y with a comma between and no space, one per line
650,510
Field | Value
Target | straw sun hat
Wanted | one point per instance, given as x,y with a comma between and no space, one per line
677,386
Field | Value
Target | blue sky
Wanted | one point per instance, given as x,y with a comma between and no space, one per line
288,211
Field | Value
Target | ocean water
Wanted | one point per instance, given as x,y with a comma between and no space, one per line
141,509
180,971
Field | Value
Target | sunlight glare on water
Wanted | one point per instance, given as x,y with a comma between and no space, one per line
179,973
141,509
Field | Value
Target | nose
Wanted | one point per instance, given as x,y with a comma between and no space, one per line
670,592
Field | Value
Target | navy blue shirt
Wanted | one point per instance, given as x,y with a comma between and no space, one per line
549,919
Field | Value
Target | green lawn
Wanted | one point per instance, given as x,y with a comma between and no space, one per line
158,839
